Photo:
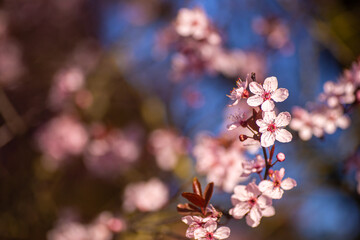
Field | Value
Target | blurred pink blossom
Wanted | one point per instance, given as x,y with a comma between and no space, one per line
210,232
221,161
111,152
61,138
145,196
167,146
69,229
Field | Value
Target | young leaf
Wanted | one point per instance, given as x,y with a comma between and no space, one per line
197,187
194,198
208,193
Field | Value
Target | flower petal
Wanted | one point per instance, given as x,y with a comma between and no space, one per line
270,84
267,139
283,135
268,212
210,226
267,106
200,233
288,184
241,193
255,101
222,233
233,126
240,210
187,220
256,88
269,117
276,193
266,185
255,215
280,95
283,119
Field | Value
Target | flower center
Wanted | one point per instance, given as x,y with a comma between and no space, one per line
252,201
271,127
266,96
277,183
209,236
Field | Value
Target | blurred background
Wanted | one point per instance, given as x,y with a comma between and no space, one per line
93,91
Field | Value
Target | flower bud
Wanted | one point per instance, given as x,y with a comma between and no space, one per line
280,157
243,137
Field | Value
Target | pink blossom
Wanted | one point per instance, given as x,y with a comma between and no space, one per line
195,222
238,120
69,229
146,196
209,232
192,23
220,159
306,123
276,187
266,95
272,127
249,201
240,92
167,147
64,136
254,166
333,118
66,83
111,152
336,93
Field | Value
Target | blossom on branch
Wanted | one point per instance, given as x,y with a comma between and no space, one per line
272,127
249,201
266,95
275,188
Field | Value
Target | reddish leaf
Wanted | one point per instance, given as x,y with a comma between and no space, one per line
194,198
208,193
197,187
184,208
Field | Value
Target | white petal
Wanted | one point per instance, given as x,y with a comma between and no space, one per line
253,189
210,226
268,212
251,222
255,101
256,88
267,106
187,220
269,117
283,119
343,122
280,174
288,184
305,134
276,193
270,84
266,185
200,233
283,135
255,215
264,201
280,95
240,210
267,139
222,233
241,193
262,125
233,126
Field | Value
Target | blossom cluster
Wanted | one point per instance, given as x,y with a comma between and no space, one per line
201,217
331,110
255,201
199,48
102,228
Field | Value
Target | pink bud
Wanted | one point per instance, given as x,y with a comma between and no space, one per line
280,157
243,137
